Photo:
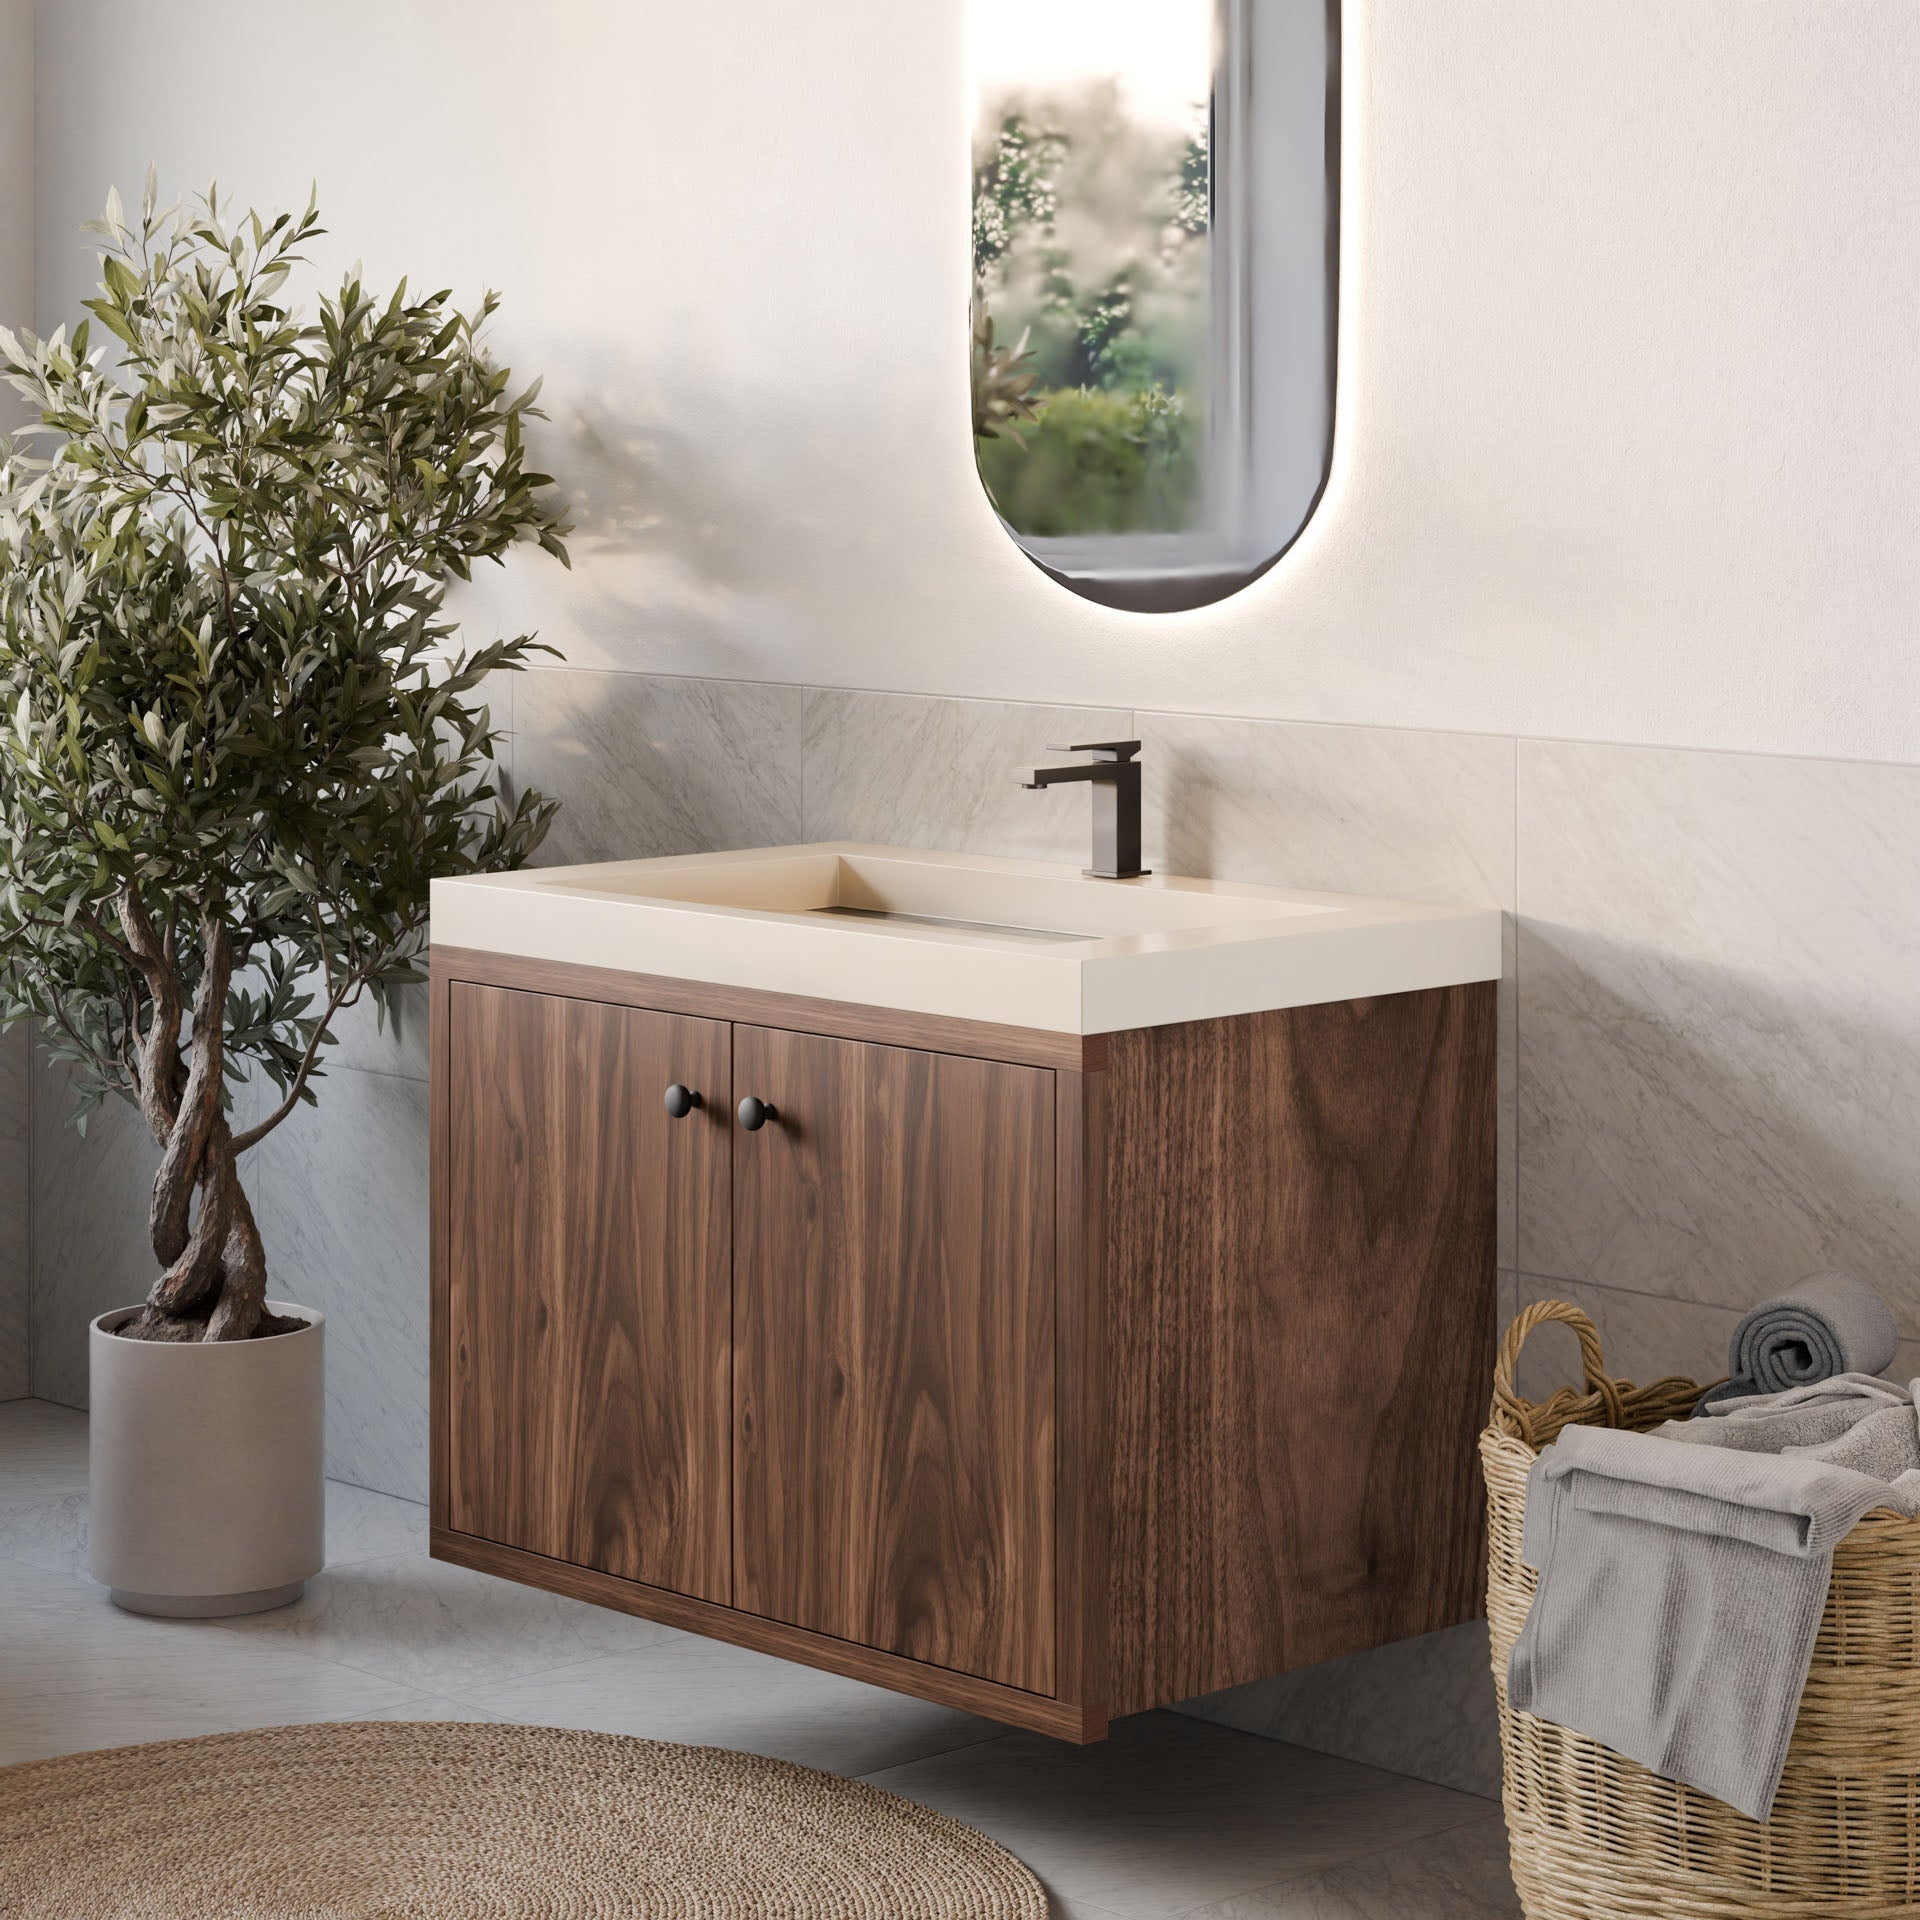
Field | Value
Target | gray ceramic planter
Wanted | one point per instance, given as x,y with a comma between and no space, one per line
207,1493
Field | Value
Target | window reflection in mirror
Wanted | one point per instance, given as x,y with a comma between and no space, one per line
1152,285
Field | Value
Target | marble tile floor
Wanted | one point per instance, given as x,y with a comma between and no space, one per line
1172,1816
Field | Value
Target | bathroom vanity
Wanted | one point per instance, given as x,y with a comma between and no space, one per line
1046,1295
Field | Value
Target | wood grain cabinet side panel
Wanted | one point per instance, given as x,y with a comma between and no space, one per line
586,1286
1300,1246
894,1352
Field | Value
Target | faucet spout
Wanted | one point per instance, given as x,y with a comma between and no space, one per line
1114,776
1044,777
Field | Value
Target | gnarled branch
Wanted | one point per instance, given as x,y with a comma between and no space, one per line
243,1276
187,1287
161,1069
198,1111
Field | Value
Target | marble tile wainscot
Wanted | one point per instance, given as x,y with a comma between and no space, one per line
1720,1030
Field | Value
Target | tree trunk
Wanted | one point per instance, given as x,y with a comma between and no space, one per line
213,1280
217,1289
241,1310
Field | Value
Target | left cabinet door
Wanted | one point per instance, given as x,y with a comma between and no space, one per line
588,1286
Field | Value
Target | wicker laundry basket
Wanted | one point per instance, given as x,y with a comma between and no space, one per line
1594,1836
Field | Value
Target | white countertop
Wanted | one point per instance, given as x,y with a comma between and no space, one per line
1038,945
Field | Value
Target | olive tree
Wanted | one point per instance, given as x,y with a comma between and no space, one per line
237,735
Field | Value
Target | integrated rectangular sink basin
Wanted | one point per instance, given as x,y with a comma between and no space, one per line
1016,942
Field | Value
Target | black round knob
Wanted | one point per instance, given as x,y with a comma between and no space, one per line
754,1114
681,1101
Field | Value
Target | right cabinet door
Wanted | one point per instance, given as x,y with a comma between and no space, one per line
893,1351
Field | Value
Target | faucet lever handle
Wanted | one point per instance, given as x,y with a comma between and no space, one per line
1116,750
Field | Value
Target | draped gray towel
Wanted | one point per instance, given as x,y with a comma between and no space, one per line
1852,1420
1829,1324
1680,1594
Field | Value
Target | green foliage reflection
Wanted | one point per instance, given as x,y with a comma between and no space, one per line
1091,235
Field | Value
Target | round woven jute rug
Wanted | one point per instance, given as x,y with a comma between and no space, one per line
398,1819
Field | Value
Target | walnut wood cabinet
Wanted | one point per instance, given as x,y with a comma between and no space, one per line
893,1370
588,1319
1050,1377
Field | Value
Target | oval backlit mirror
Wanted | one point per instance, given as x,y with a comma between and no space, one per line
1154,209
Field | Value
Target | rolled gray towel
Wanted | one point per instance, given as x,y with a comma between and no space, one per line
1827,1325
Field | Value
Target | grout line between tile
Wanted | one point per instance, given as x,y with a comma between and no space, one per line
1630,1293
937,1753
459,1694
377,1073
900,1766
239,1631
385,1493
512,739
1272,719
48,1399
1492,1816
893,693
806,817
1519,1013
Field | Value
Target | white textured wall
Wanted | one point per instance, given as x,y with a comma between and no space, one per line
16,309
1630,392
16,162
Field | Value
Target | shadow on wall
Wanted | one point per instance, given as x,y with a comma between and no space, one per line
1423,1707
654,513
643,765
711,512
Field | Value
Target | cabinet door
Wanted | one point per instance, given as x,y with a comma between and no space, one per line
894,1354
588,1286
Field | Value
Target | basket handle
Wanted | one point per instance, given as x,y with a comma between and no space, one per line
1592,1361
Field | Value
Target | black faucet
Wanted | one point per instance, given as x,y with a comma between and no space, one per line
1115,779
